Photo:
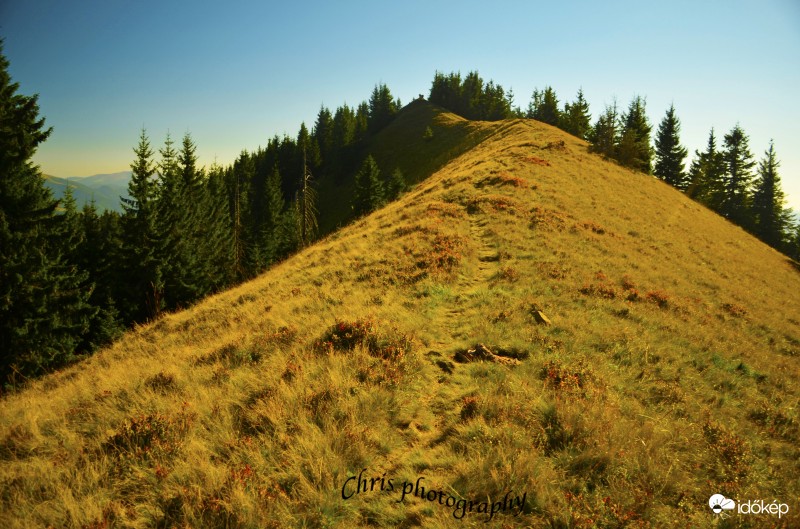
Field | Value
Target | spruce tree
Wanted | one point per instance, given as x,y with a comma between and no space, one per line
191,218
43,312
771,219
396,184
141,241
471,104
307,151
670,155
603,135
738,178
98,254
576,118
176,251
323,134
369,194
544,106
382,108
361,122
514,112
343,127
72,238
446,92
706,176
494,104
273,200
633,146
343,134
217,230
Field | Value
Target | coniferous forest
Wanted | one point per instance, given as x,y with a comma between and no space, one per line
72,280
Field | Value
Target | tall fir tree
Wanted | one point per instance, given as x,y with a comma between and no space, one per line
446,91
514,111
175,251
670,155
738,179
396,185
343,134
72,238
98,254
576,118
190,218
603,135
307,151
141,240
42,309
361,122
369,194
633,146
706,175
274,211
343,127
772,220
382,108
471,100
494,104
218,230
544,106
323,134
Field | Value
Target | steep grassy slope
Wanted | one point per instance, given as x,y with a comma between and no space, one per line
669,372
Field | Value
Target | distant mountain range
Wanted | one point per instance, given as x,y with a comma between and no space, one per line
105,189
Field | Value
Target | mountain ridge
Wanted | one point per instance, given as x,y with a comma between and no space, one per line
105,189
408,343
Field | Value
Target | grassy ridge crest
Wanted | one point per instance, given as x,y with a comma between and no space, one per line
410,344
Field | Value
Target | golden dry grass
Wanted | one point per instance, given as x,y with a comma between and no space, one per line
669,372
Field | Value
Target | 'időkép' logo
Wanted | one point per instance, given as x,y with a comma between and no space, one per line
721,505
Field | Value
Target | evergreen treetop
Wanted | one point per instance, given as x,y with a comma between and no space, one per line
544,106
634,149
603,135
738,178
44,313
670,155
369,193
382,108
576,118
772,220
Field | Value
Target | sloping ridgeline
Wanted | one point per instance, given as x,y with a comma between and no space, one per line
410,344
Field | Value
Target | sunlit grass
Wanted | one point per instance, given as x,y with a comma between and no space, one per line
668,373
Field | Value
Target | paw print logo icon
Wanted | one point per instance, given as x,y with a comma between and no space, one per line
719,504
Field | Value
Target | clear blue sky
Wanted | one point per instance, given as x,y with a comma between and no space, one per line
235,74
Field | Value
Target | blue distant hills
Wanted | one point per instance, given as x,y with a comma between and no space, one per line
105,189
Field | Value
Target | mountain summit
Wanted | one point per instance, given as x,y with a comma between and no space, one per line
532,336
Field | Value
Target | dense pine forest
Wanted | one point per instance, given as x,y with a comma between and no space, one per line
73,280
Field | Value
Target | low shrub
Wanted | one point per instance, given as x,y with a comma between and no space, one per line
659,297
345,336
161,382
153,434
559,377
599,290
469,408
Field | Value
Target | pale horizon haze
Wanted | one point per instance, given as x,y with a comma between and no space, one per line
236,74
